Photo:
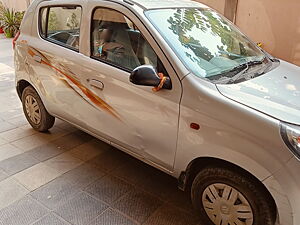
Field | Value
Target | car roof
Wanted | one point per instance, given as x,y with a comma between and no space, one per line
153,4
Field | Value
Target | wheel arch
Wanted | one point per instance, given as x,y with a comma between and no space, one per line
187,177
21,85
24,83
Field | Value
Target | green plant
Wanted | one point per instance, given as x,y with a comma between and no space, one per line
1,7
53,22
10,21
1,11
8,33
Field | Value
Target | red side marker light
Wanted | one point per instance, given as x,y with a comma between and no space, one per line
195,126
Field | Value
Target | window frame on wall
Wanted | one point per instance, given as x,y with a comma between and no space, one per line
159,62
44,36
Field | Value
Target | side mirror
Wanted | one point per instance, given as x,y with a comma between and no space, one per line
147,76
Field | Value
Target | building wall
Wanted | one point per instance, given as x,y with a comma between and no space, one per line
275,23
218,5
19,5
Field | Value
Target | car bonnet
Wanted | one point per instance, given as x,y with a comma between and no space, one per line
276,93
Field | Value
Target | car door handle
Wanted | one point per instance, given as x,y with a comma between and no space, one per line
96,84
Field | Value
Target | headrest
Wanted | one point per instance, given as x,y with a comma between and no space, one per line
109,15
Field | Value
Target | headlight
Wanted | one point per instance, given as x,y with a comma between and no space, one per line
291,136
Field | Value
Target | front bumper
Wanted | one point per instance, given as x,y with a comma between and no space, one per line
284,186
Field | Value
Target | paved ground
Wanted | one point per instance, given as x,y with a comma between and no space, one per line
68,177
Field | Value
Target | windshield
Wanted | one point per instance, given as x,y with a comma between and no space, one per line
208,44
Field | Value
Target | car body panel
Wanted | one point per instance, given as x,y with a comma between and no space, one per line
154,4
273,93
251,140
287,190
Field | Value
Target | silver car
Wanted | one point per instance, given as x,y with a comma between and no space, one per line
176,85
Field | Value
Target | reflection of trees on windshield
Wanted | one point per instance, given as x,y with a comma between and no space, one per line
221,29
184,20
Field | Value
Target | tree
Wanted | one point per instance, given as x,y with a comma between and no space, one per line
182,22
53,21
73,23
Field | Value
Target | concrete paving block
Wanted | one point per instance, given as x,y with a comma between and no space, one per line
3,175
51,219
23,212
38,139
169,215
90,149
111,217
110,160
18,163
55,193
8,151
5,126
3,141
138,205
83,175
17,133
63,162
30,142
36,176
108,189
18,121
10,191
81,210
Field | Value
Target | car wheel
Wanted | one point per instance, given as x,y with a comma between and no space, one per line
35,111
228,197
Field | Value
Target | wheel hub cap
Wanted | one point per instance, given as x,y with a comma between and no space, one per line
32,109
225,209
224,205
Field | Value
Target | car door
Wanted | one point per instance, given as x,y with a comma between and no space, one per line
134,118
53,52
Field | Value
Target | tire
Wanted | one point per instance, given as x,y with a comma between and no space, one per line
41,120
222,196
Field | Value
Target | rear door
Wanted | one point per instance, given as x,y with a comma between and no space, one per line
53,53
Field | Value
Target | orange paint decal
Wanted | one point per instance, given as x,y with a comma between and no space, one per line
96,100
31,53
23,42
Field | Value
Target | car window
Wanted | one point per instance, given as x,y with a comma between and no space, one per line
61,25
116,40
208,44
